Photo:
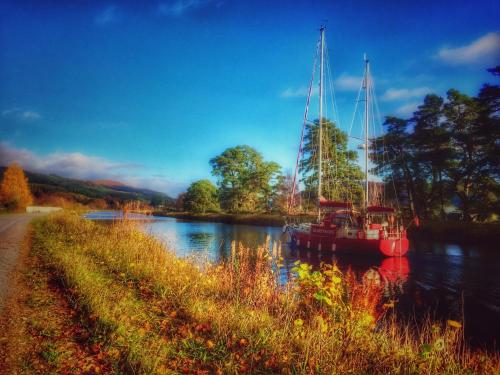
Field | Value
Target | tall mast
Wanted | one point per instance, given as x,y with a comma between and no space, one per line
367,97
320,148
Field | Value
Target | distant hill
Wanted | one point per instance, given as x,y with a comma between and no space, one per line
108,183
87,192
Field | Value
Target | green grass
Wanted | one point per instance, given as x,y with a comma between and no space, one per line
151,312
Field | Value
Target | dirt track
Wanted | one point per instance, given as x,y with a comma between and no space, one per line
12,231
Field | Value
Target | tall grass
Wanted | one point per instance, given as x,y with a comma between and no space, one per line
152,312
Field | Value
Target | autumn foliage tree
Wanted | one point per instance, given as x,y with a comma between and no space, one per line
14,190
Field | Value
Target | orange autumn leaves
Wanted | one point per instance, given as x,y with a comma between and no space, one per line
14,191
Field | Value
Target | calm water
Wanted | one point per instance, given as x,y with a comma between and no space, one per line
444,280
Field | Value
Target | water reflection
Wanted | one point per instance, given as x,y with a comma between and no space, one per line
446,281
391,273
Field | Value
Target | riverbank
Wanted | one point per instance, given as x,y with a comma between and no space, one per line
147,311
449,231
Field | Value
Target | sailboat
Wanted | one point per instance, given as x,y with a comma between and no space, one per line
340,226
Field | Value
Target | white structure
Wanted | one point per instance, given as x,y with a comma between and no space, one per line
40,209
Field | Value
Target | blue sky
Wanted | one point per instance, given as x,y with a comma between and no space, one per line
147,92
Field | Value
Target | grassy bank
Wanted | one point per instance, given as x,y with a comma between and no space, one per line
150,312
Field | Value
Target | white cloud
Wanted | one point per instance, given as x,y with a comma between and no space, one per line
180,7
298,92
485,50
18,114
107,15
73,165
406,109
348,83
402,94
86,167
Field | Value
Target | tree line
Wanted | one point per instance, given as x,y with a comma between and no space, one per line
446,156
248,183
440,162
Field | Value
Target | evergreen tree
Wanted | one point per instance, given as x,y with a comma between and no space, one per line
433,154
342,177
393,161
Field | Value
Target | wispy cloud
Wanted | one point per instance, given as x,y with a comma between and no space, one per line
87,167
407,109
298,92
347,82
181,7
18,114
393,94
74,164
485,50
107,15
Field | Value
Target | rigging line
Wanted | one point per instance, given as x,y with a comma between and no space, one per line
332,90
376,111
355,108
335,111
306,110
384,150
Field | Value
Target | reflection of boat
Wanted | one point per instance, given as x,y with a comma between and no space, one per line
388,271
394,269
375,229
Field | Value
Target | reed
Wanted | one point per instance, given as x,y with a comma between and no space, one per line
152,312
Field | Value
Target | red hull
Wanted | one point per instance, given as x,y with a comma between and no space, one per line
388,247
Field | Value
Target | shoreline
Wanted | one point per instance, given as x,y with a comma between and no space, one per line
447,231
229,318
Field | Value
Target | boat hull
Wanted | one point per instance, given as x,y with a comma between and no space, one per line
386,247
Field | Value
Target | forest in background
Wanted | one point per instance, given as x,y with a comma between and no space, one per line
441,163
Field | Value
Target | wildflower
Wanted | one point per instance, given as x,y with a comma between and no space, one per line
298,323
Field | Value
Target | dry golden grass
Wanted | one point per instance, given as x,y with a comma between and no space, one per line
152,312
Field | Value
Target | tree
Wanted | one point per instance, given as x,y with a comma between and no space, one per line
245,180
468,172
451,156
342,177
282,191
393,160
201,196
433,153
179,202
14,190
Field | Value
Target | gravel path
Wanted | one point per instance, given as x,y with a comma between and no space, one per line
12,231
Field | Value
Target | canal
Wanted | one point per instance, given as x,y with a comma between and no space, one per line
437,280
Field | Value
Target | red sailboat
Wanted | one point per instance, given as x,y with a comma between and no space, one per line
341,227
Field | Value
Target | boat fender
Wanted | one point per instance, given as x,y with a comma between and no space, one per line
298,242
319,246
308,244
334,247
